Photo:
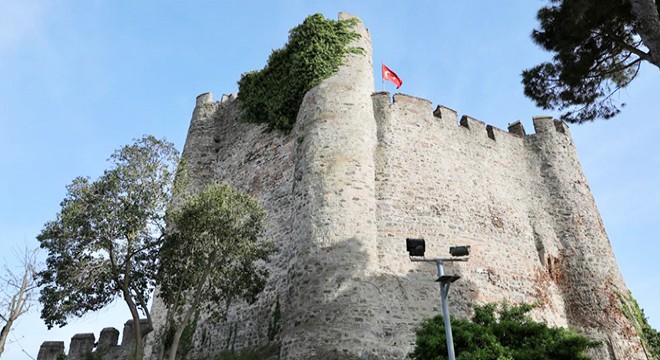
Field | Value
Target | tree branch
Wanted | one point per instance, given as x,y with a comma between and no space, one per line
647,25
624,45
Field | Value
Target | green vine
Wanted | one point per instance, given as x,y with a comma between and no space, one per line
187,337
274,326
231,336
650,337
315,50
186,342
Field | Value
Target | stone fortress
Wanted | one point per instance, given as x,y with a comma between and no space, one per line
359,173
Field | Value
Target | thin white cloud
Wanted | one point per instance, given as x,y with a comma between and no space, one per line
19,22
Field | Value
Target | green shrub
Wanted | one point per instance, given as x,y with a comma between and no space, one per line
315,50
650,337
500,332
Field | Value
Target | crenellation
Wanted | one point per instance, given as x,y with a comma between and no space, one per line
543,124
490,131
517,128
109,337
204,98
560,126
51,350
473,124
444,112
228,97
81,345
449,117
84,346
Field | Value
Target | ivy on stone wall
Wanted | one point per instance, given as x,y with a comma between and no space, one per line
650,337
314,52
274,325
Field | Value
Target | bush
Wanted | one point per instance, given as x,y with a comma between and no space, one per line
315,50
500,332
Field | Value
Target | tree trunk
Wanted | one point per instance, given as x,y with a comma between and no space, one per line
19,304
186,318
179,332
648,26
4,334
137,328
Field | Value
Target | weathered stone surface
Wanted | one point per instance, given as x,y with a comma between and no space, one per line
81,345
359,173
50,350
84,347
108,338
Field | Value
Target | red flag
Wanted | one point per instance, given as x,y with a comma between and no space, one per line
391,76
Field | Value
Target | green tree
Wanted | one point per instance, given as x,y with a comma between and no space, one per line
500,332
16,292
104,242
598,46
211,256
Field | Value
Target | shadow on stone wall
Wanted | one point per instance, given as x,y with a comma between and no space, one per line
362,312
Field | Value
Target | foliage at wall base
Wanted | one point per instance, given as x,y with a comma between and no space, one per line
500,332
650,337
315,50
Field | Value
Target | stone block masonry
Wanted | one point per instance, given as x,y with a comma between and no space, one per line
85,347
358,174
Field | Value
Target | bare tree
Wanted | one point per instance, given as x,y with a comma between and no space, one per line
17,288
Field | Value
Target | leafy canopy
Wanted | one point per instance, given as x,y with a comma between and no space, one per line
315,51
501,332
104,241
212,255
597,51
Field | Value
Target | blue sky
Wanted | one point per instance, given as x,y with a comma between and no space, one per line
79,79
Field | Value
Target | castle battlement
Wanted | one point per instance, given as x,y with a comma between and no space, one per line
448,117
84,346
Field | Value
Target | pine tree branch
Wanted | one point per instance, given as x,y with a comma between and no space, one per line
647,25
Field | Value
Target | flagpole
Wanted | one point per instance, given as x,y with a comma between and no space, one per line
382,81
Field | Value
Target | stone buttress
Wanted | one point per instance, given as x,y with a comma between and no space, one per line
329,300
582,264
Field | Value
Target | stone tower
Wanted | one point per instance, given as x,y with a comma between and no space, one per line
360,172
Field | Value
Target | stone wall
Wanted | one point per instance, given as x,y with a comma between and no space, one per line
220,147
521,202
359,173
85,347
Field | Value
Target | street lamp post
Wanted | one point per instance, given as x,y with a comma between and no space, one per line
416,249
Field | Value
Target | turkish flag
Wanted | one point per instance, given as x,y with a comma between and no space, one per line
391,76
